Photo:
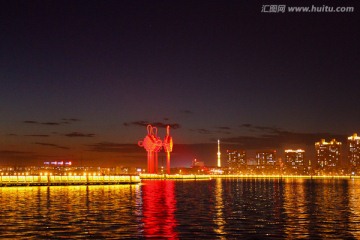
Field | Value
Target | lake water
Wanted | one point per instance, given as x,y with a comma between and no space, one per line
158,209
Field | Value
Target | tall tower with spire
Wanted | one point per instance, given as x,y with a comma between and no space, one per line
218,155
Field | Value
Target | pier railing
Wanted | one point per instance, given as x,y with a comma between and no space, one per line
48,180
175,176
213,176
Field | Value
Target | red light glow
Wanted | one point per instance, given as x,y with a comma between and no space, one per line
153,144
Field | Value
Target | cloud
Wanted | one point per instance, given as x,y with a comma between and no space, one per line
31,122
70,119
115,147
154,124
37,135
42,123
51,123
260,128
248,125
12,135
77,134
51,145
208,131
64,121
202,131
187,112
224,128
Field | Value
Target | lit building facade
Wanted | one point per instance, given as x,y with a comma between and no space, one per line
266,161
294,162
328,156
236,160
354,153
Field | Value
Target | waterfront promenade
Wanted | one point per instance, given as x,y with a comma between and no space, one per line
214,176
49,180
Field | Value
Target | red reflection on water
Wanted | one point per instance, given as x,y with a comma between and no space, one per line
159,206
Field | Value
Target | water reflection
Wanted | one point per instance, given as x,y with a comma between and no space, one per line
296,215
318,209
158,209
354,206
259,209
77,211
159,206
219,207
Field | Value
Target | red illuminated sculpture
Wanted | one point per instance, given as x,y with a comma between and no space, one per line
153,144
168,146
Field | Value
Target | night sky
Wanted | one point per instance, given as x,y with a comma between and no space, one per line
80,80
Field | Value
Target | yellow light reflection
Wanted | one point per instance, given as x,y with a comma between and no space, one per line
219,207
354,199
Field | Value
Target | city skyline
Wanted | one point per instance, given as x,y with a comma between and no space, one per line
330,158
81,80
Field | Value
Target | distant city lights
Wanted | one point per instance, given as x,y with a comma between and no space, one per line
61,163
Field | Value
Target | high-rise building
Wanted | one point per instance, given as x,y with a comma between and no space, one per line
354,153
266,160
236,160
294,161
328,156
267,157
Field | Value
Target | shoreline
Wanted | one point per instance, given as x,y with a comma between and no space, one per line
49,180
224,176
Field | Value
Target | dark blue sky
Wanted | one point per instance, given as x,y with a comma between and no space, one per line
80,79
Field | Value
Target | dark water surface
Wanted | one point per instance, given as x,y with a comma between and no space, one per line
158,209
